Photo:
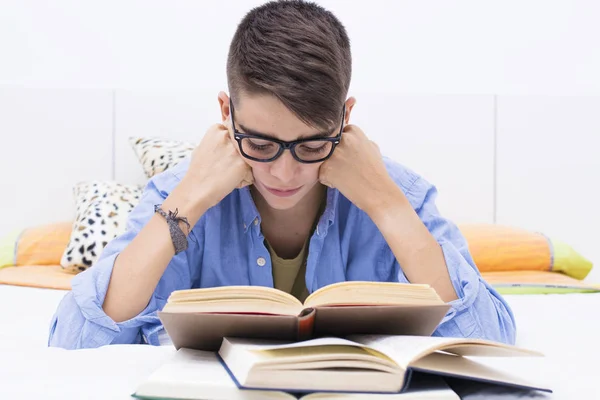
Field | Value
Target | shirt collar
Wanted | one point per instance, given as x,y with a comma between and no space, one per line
329,214
251,216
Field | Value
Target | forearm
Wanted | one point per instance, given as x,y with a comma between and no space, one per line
140,266
414,247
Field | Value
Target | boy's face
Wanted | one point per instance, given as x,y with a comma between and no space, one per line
283,182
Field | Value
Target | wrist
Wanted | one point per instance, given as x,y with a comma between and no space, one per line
388,199
191,201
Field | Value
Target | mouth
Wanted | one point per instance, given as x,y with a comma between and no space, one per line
283,192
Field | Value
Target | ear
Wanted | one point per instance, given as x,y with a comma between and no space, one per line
349,106
224,105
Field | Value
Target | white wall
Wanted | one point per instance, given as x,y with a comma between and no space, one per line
496,102
425,46
51,139
548,168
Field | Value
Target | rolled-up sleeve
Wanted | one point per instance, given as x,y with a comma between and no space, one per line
80,322
480,311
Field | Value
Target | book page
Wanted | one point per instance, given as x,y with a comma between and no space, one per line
373,293
448,364
401,349
238,305
196,374
240,293
275,345
312,369
265,345
422,387
404,349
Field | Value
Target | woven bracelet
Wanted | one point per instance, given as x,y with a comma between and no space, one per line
178,238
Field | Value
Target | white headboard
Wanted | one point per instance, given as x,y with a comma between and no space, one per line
529,161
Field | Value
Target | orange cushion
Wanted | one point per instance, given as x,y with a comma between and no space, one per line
36,245
44,244
503,248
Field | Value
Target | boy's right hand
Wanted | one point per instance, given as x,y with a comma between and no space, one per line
217,167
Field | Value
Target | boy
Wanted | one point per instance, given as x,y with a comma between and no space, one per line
284,193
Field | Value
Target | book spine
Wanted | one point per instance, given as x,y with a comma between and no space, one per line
306,324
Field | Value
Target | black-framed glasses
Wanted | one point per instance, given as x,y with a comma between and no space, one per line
265,149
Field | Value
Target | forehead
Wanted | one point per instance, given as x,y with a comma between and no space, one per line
266,115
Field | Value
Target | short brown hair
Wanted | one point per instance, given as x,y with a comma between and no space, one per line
296,51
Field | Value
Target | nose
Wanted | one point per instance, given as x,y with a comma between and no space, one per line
284,167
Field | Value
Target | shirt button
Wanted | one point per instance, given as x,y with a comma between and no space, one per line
255,221
261,261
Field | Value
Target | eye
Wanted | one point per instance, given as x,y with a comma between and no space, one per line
260,145
314,147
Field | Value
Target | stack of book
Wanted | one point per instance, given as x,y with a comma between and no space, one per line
350,340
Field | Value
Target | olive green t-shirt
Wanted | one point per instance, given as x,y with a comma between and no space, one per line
288,274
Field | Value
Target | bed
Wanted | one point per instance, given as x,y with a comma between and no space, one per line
563,326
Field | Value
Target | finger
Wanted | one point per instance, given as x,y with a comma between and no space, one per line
227,123
352,128
226,128
246,182
323,180
229,128
249,178
355,130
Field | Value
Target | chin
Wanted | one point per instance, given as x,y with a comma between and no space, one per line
279,203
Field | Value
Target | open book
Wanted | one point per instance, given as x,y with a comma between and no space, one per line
201,318
196,374
363,363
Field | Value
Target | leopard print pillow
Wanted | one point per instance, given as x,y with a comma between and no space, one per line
158,155
101,215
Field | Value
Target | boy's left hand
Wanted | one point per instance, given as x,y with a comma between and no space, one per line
357,170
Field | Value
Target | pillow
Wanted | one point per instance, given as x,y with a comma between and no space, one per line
36,245
101,212
157,155
503,248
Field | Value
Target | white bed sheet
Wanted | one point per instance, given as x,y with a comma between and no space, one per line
26,313
564,327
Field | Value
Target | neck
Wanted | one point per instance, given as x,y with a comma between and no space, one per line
305,210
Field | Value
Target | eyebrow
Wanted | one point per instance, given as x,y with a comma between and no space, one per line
252,132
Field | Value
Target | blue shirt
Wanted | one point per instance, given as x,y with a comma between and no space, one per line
227,247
